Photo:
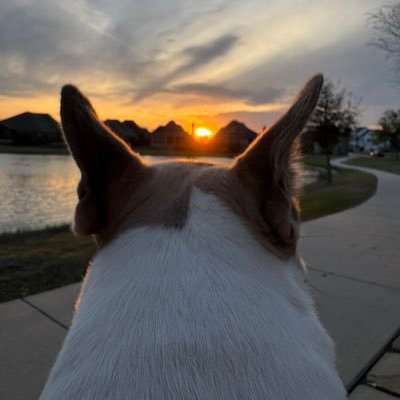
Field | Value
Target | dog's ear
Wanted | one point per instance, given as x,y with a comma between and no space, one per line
267,167
102,157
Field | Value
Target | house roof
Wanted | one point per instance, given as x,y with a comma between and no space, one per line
236,131
31,122
119,128
361,132
171,129
126,129
134,127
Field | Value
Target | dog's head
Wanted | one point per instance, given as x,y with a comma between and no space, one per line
118,191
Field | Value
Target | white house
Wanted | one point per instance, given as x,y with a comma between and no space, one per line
365,140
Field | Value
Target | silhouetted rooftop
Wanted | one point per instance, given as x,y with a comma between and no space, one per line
31,122
170,129
236,130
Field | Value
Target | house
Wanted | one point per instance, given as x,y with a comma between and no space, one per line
5,136
170,135
129,131
236,136
141,135
32,128
366,140
121,129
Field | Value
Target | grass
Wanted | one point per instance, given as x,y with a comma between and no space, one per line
315,160
349,189
35,261
387,163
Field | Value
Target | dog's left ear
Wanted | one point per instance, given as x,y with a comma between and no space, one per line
102,157
267,169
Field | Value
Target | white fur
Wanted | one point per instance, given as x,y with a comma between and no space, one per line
199,313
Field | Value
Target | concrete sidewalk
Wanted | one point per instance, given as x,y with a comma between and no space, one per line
354,263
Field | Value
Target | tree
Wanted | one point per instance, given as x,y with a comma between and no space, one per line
334,118
390,123
386,25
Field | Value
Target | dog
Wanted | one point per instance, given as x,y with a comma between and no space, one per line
197,290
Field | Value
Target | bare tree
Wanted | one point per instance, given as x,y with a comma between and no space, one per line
333,119
386,25
390,123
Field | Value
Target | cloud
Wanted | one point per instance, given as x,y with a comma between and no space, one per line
255,96
122,52
203,54
50,44
351,61
196,57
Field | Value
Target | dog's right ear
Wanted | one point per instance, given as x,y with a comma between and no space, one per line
102,157
267,168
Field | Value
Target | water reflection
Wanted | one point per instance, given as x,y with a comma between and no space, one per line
38,191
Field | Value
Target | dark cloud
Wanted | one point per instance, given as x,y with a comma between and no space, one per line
259,95
44,44
203,54
196,57
352,63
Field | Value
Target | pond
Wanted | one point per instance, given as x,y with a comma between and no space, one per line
37,191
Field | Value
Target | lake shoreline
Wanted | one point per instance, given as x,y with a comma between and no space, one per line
37,191
142,150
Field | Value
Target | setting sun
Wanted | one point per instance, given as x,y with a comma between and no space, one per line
203,132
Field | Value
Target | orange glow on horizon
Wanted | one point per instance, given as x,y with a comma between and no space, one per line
208,117
203,132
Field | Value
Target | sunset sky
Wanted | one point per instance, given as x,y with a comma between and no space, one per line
205,62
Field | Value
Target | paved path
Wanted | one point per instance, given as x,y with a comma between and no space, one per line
354,263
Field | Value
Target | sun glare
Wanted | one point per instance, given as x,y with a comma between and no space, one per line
203,132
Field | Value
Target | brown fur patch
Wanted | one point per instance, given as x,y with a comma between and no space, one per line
161,199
